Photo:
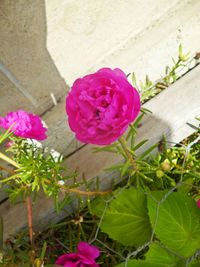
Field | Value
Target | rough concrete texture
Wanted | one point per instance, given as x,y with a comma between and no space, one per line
135,35
25,60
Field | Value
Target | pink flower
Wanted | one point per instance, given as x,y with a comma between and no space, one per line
85,256
198,203
24,124
9,144
101,105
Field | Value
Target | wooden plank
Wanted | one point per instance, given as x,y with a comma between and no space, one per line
60,137
172,109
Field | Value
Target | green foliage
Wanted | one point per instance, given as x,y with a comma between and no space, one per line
157,256
126,219
4,136
181,233
37,169
150,220
148,89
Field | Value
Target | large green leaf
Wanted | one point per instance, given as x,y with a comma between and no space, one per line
126,220
178,222
195,264
155,257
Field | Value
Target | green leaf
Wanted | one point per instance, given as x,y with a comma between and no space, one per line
195,264
157,256
140,144
178,222
126,220
6,134
125,168
148,151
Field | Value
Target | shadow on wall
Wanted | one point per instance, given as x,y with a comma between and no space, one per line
28,74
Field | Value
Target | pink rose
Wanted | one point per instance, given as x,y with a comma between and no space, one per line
24,124
85,256
100,106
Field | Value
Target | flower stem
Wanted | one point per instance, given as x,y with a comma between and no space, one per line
128,154
10,161
84,193
30,218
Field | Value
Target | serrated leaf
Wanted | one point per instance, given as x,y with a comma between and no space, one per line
126,220
194,264
97,206
178,222
157,256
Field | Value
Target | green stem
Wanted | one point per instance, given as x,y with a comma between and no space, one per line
10,161
128,154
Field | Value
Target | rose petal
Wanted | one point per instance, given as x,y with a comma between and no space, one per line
101,105
66,257
88,250
24,125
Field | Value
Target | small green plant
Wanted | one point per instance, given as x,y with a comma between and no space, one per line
180,66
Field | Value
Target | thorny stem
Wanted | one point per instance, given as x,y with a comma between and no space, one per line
129,156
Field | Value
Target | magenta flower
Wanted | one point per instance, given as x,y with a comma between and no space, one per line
9,144
24,125
198,203
85,256
100,106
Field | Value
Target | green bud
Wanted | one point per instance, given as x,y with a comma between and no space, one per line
1,257
183,58
159,173
165,165
38,263
173,183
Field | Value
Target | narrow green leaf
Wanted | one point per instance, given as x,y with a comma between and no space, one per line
139,144
138,120
44,248
148,151
125,168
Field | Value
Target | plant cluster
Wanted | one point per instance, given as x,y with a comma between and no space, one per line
151,218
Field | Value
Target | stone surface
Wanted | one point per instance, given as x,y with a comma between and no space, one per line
25,60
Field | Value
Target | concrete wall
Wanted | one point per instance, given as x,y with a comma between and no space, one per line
46,44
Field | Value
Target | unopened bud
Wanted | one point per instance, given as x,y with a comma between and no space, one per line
159,173
173,183
1,257
38,263
165,165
